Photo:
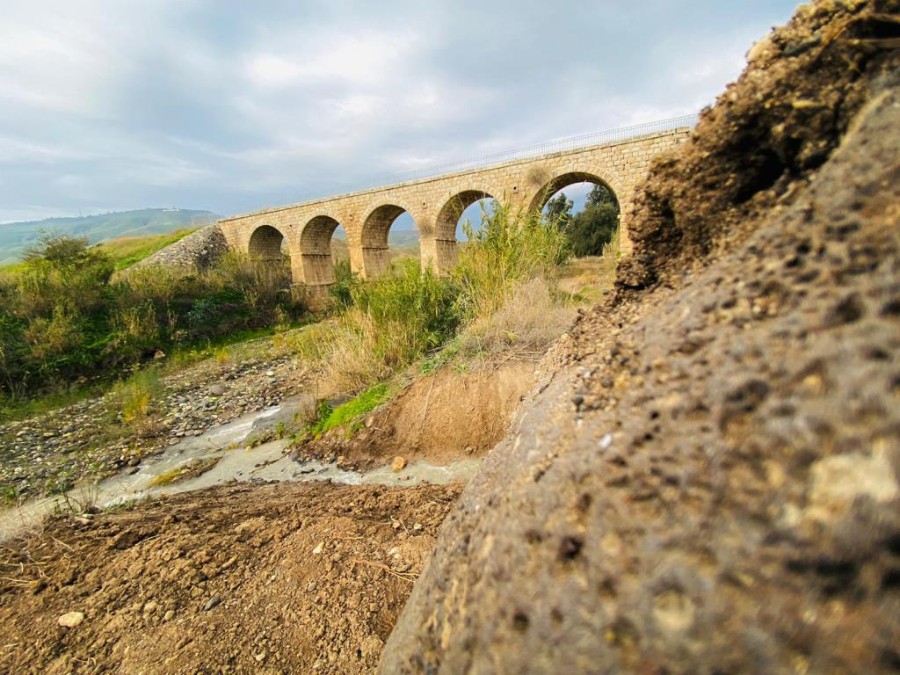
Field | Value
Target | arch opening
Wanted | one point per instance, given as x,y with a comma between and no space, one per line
586,206
376,235
319,251
468,206
266,244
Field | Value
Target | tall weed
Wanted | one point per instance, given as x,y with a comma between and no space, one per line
133,398
510,249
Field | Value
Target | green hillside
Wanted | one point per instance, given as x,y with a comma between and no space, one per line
16,237
126,251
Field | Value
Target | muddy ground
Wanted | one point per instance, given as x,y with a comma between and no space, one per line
303,578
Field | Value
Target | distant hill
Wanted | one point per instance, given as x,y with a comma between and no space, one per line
397,238
16,237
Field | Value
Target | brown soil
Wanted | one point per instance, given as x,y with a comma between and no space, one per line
228,580
439,418
711,482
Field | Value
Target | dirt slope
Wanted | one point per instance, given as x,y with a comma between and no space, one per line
438,418
710,484
226,580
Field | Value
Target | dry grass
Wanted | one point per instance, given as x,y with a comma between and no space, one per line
529,320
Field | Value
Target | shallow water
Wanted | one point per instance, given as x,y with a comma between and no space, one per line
236,463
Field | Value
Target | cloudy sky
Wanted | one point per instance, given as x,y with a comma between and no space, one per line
231,105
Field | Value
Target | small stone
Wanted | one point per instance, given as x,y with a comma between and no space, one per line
168,616
217,390
260,657
213,602
318,549
70,619
398,464
606,441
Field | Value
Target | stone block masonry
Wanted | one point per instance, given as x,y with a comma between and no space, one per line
435,204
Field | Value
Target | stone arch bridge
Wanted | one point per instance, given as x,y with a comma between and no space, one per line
618,159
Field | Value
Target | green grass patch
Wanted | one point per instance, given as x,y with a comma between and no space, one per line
8,495
349,415
126,251
14,408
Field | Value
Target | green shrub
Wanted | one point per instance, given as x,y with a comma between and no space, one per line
412,311
133,398
64,319
344,283
510,249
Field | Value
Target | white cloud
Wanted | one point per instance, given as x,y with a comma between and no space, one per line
366,59
231,105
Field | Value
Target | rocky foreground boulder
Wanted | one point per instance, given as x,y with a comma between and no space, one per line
707,479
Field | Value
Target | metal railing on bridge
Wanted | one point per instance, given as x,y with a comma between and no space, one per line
549,147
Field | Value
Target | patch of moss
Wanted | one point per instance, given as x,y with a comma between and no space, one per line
350,414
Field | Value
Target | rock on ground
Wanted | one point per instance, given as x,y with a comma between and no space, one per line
709,484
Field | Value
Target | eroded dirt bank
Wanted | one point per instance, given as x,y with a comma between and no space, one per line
709,484
440,418
285,578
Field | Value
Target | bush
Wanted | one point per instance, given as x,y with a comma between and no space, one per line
509,250
529,319
133,398
344,283
64,318
390,322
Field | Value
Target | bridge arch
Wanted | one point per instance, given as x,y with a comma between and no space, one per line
564,180
591,227
266,243
316,263
376,226
443,255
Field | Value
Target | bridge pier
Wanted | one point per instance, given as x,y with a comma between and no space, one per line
376,260
438,254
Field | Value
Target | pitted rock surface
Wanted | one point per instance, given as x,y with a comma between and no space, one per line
710,483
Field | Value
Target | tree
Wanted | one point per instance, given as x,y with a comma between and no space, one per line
600,194
593,228
559,210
